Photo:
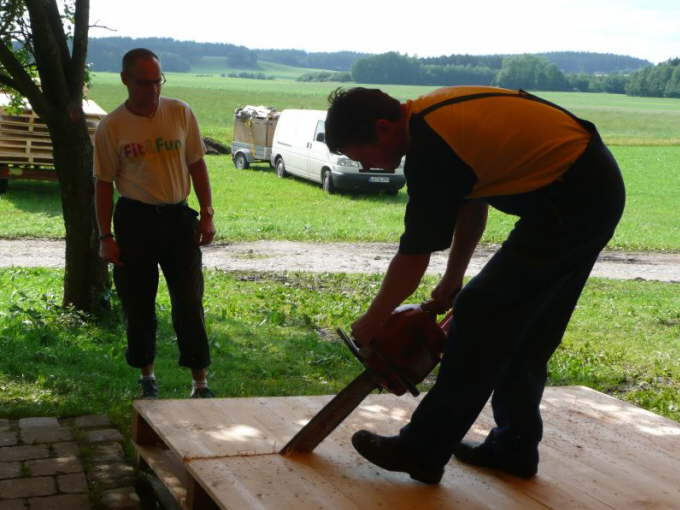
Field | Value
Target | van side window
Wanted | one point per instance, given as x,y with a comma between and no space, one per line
320,132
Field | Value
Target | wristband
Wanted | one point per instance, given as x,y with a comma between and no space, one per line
105,236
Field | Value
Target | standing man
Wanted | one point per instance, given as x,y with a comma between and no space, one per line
467,148
150,147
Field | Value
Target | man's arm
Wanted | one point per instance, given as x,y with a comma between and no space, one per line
470,226
400,281
103,200
201,182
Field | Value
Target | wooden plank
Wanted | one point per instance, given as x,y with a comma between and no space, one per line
168,468
598,453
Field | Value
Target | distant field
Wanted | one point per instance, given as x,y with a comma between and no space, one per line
219,66
622,120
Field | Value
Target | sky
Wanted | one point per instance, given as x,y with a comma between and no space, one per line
644,29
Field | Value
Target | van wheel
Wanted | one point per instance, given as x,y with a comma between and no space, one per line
281,169
4,184
392,192
240,161
327,182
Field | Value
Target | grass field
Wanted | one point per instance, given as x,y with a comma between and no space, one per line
254,204
273,335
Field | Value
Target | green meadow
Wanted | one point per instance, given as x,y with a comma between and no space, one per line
622,120
254,204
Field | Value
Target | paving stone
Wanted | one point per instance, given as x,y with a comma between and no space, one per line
13,504
103,435
5,425
71,484
92,420
68,449
25,423
32,435
8,438
121,499
27,487
57,466
111,476
12,453
107,452
10,470
62,502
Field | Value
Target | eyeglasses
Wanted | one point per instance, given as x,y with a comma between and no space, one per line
151,83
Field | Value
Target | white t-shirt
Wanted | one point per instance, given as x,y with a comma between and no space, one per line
148,158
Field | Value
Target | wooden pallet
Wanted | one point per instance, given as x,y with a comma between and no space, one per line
25,139
598,453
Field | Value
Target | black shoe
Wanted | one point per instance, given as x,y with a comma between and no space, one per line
203,392
149,388
389,453
521,463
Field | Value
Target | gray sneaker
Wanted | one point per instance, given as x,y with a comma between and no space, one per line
149,388
203,392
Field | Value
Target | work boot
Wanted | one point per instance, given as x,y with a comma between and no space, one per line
516,461
202,392
390,453
149,388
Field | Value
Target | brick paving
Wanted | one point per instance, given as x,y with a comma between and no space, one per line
58,464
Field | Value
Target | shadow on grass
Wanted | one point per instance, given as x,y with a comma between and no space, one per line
34,196
59,365
367,196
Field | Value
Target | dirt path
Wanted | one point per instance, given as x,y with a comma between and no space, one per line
343,258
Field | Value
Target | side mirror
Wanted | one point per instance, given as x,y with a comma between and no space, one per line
321,137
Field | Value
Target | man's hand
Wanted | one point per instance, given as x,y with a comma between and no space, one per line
443,295
366,328
206,230
109,251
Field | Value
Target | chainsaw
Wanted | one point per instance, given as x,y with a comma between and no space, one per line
406,351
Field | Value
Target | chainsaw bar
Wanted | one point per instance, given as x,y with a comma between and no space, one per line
332,414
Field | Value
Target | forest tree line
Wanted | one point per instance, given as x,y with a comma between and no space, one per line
567,71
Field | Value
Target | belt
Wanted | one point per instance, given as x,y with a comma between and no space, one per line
158,208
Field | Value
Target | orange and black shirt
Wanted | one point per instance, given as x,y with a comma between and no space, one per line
480,142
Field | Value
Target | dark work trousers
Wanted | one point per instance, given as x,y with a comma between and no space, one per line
509,319
149,236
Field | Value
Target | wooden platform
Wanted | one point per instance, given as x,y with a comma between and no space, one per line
598,453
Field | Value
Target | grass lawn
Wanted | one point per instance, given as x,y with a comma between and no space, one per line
254,204
273,335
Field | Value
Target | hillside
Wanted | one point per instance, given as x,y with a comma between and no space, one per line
189,56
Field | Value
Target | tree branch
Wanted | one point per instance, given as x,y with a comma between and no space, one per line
22,81
57,26
48,57
80,32
6,79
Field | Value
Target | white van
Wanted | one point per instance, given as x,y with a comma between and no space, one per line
299,149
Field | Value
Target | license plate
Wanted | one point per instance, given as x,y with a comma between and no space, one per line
378,179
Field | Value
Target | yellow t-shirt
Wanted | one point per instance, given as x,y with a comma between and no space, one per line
148,158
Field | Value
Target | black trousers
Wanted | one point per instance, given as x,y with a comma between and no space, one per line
149,236
510,318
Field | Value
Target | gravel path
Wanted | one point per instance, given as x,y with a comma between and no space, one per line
343,258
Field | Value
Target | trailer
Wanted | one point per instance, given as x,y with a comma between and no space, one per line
25,143
253,133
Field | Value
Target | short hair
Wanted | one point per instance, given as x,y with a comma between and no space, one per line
353,113
132,56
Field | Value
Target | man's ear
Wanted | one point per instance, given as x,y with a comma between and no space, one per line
384,128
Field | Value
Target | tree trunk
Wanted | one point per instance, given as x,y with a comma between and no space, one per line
86,278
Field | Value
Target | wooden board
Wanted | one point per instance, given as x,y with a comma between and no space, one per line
598,453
